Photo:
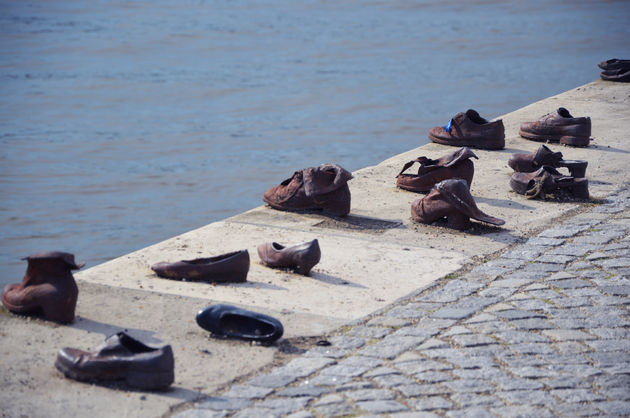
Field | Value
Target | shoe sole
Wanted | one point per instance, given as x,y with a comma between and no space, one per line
476,143
574,141
139,379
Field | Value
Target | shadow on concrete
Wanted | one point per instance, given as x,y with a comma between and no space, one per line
327,278
609,149
359,223
89,325
259,285
504,203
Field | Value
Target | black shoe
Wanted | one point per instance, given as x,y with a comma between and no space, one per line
230,321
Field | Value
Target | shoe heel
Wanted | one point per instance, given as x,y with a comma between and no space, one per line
577,168
458,221
580,189
575,141
150,380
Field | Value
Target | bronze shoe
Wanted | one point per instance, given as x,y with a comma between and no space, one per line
547,180
559,126
230,267
452,200
300,257
456,165
526,163
470,130
121,357
48,287
324,187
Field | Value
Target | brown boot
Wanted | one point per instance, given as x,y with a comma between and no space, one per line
470,130
48,287
559,126
450,199
324,187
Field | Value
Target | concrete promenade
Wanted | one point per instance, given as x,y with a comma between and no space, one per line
398,318
542,330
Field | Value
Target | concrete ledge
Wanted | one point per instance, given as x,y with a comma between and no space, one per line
369,260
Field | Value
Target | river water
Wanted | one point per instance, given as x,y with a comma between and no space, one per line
124,123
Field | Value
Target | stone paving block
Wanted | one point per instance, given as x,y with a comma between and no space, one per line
381,371
330,380
572,302
330,352
497,267
567,335
563,231
304,366
517,337
335,410
443,353
547,242
532,372
473,340
393,380
518,314
526,397
522,411
456,330
609,358
225,404
433,343
284,405
467,400
531,324
575,410
414,389
452,291
616,290
623,368
531,348
578,370
432,377
489,373
430,403
496,292
381,407
472,412
514,383
272,380
613,408
618,394
385,321
542,269
611,333
245,391
348,343
481,317
524,252
469,385
360,361
308,389
583,292
577,395
512,283
574,249
491,327
201,413
405,312
571,347
301,414
414,414
355,385
370,394
566,382
424,365
472,362
533,303
369,332
609,345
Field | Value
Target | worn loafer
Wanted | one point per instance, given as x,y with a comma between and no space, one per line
121,357
548,180
456,165
232,322
48,287
468,129
301,257
230,267
559,126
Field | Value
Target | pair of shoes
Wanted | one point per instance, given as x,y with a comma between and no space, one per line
548,180
615,70
559,126
301,257
232,322
468,129
48,287
452,200
456,165
322,188
120,357
230,267
526,163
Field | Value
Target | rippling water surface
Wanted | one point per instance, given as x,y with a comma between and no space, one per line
124,123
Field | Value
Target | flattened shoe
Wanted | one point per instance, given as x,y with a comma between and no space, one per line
547,180
324,188
559,126
232,322
457,164
533,161
470,130
120,357
614,64
619,75
301,257
48,287
451,199
231,267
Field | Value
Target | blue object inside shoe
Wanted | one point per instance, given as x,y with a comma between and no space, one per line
449,126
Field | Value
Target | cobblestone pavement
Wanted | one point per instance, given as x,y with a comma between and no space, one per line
542,330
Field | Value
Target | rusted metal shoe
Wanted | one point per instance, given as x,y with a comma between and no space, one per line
324,187
231,267
452,200
48,287
456,165
559,126
301,257
470,130
614,64
120,357
619,75
231,322
548,180
533,161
